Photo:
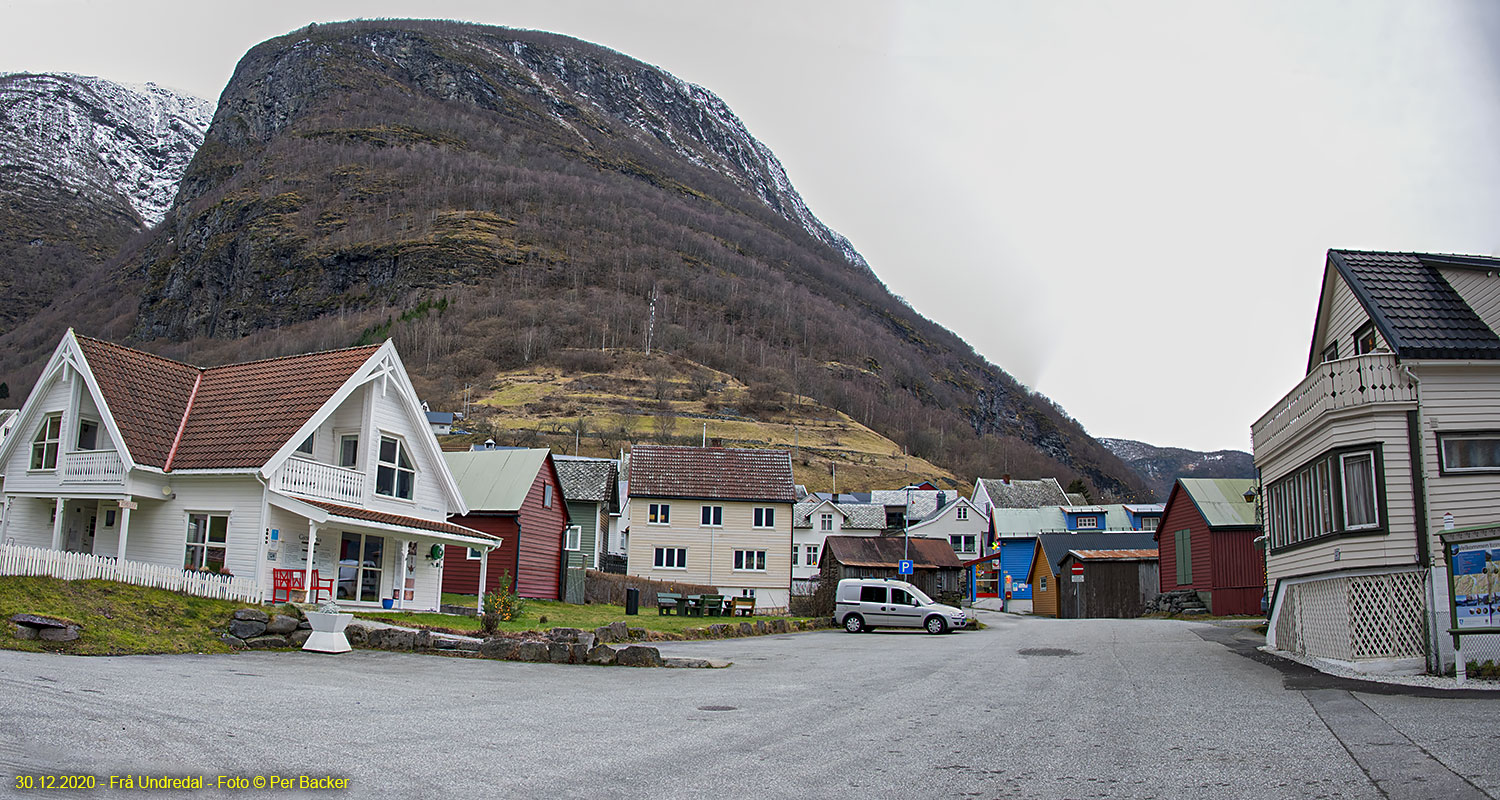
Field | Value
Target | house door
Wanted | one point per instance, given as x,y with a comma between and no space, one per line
361,560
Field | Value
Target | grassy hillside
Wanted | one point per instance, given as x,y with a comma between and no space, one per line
602,401
117,619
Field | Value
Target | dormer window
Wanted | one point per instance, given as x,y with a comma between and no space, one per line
88,435
44,446
395,476
1088,522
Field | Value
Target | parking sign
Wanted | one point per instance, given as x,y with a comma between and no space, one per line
903,567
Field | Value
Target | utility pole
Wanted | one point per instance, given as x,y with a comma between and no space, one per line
651,323
906,528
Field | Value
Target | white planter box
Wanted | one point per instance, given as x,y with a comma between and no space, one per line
328,633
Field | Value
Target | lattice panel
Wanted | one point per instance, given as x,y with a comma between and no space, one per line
1322,619
1385,615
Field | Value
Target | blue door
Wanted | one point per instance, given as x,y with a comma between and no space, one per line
1015,560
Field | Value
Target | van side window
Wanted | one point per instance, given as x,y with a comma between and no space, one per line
900,597
872,594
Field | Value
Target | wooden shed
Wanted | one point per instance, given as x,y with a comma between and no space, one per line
515,494
1116,584
1207,543
1048,580
936,568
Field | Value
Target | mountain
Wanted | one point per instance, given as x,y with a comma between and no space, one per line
84,164
495,199
1162,466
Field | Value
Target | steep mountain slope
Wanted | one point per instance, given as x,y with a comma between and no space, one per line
1162,466
495,199
84,163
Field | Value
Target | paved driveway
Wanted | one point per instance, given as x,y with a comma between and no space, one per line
1027,708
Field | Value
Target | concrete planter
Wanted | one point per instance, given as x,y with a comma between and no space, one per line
327,632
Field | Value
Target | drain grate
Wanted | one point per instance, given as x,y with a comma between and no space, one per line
717,708
1058,652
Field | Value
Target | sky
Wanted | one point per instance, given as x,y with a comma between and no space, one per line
1126,205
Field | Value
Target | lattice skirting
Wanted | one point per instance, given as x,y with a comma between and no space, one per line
1354,618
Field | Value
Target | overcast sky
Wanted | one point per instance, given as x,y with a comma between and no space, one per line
1126,205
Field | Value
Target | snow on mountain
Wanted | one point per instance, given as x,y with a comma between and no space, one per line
91,135
1162,466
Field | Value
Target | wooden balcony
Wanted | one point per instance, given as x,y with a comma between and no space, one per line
1365,380
93,466
321,481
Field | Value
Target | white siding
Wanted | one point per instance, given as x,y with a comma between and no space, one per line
18,477
392,418
29,522
1458,398
710,556
1346,316
1480,289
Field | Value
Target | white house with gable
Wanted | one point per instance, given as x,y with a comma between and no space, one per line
314,474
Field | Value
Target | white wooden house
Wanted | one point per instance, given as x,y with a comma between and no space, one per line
814,520
1396,425
319,463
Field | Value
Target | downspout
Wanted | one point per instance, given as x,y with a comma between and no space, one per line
1416,445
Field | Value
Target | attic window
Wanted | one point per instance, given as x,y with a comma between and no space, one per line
1088,522
1364,339
306,446
44,446
962,513
1331,352
395,475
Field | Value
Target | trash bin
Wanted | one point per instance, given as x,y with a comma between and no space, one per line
632,601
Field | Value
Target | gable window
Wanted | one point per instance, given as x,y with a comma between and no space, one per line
765,518
750,560
44,446
962,542
1469,452
546,495
1184,553
573,538
395,476
1336,493
207,542
812,555
88,434
961,514
1364,339
671,558
1331,352
659,514
349,450
306,447
825,522
713,516
1088,523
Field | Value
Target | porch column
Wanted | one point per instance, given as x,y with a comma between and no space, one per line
124,532
484,569
398,585
57,523
5,522
307,579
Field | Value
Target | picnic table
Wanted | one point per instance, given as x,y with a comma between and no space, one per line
743,607
668,603
699,605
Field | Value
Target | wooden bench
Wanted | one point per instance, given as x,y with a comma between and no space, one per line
742,607
711,605
667,603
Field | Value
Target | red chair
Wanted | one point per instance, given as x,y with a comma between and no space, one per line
320,585
286,581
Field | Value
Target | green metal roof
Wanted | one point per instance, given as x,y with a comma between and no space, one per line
1221,501
495,480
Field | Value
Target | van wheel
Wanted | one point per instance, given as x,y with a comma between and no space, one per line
935,624
854,623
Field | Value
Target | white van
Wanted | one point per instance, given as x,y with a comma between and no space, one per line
864,604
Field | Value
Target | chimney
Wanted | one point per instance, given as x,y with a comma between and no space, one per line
1005,479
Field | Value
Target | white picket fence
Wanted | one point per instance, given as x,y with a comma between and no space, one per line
19,560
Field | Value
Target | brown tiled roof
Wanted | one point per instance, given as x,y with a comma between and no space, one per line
719,473
240,414
364,515
886,551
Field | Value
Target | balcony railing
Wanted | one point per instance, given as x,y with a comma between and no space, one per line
1345,383
321,481
93,466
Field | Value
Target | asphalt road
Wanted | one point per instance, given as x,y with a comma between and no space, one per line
1028,708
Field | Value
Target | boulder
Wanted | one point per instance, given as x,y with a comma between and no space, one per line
568,635
281,624
421,640
233,641
304,625
719,630
267,642
246,629
636,634
358,635
533,651
577,654
686,663
779,625
638,655
299,637
391,639
613,632
601,655
559,652
586,639
504,649
746,629
27,632
760,628
252,615
67,634
467,645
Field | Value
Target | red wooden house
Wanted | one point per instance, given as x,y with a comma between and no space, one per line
515,494
1207,543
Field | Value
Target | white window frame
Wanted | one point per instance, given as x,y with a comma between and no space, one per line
1093,522
825,521
962,514
47,443
208,543
342,439
796,555
963,542
473,554
764,518
1374,489
546,495
711,517
757,558
573,537
659,511
680,556
85,422
1445,438
308,445
814,552
1150,523
396,468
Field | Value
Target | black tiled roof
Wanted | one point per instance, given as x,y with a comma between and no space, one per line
1414,307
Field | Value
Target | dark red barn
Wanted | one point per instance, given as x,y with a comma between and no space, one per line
1206,543
512,493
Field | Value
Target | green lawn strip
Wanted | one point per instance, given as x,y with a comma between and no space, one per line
558,615
117,618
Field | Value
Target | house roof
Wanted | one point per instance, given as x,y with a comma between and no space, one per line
398,520
1145,508
587,479
1221,501
886,551
496,480
440,417
1024,494
1054,547
857,516
1416,310
720,473
176,415
1114,555
919,503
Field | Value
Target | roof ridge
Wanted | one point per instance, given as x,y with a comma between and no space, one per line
292,356
147,353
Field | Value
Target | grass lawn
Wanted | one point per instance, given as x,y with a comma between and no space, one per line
557,615
117,619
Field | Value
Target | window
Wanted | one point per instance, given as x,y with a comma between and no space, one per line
713,516
395,476
962,542
1364,339
546,495
207,542
825,522
796,549
1337,493
901,597
88,434
1359,490
754,560
306,446
1469,452
1043,586
1088,523
474,554
573,538
349,450
660,514
765,518
750,593
1150,523
962,513
872,594
812,555
1184,553
671,558
44,446
1331,352
361,557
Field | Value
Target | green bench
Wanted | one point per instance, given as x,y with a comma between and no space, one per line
668,603
711,605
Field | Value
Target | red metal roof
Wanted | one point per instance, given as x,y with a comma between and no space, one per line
239,415
1113,555
364,515
719,473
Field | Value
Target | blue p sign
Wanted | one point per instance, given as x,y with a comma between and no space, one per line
903,567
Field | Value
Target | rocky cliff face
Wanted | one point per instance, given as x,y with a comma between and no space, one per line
1162,466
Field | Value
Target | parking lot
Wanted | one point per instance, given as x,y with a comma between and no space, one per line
1027,707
